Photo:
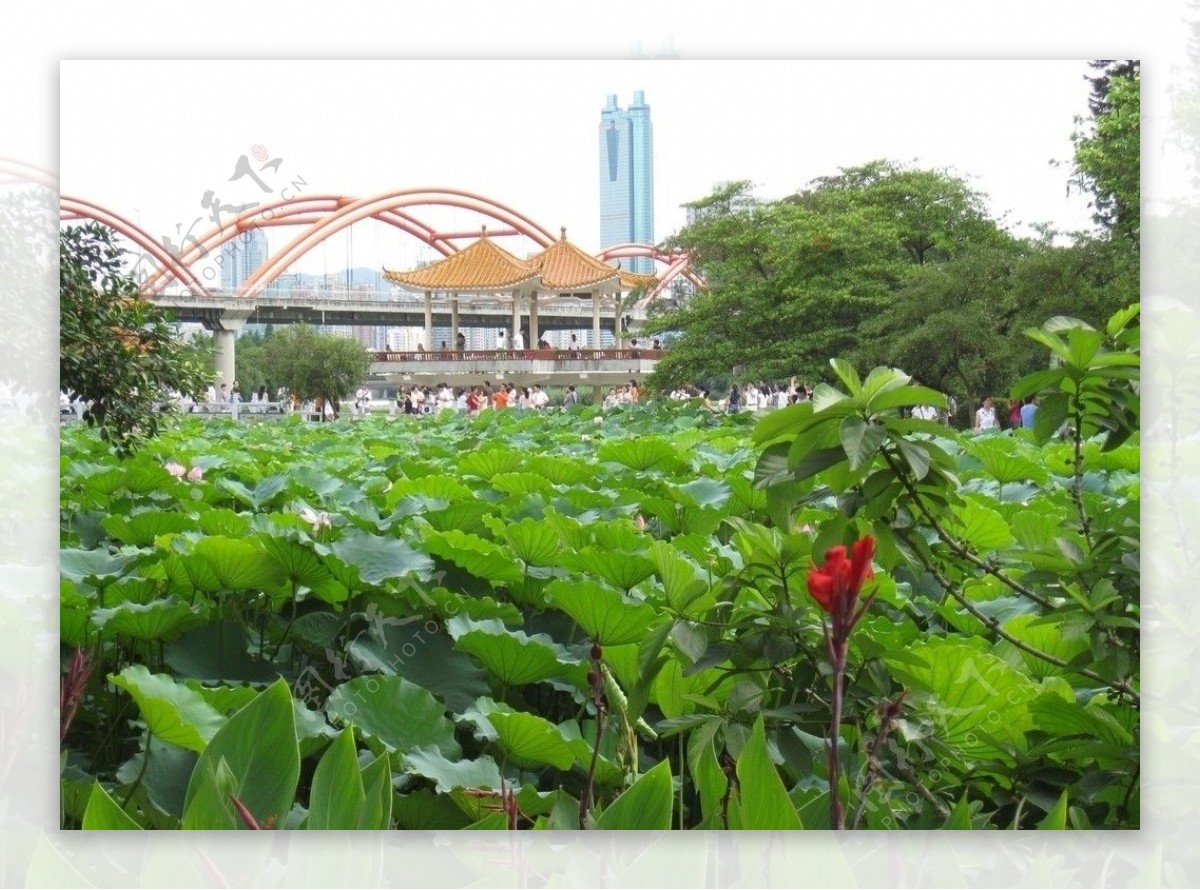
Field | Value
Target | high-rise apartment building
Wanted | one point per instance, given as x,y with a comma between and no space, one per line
627,177
241,256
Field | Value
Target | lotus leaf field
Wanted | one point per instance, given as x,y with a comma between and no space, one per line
564,620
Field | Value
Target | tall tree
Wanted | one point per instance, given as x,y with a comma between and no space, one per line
118,351
1108,152
315,365
791,281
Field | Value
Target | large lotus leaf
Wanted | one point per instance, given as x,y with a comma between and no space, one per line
217,652
239,565
337,794
511,656
977,700
378,558
450,774
682,579
477,555
1001,463
424,810
164,777
490,462
560,470
620,534
317,481
465,516
395,712
1046,635
428,660
1062,719
158,620
605,615
303,568
173,712
188,573
534,541
704,492
643,453
621,570
446,488
223,521
258,744
93,566
980,527
521,483
646,805
140,529
608,773
528,741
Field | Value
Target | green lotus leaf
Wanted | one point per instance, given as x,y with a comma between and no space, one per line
533,541
172,711
223,521
450,774
378,558
92,565
477,555
141,529
643,453
622,570
605,615
490,462
239,565
511,656
157,620
399,714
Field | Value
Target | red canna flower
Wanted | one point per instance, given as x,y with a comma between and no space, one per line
836,584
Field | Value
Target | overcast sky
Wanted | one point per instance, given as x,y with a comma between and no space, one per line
526,134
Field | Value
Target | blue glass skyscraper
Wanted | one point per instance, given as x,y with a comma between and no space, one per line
241,256
627,177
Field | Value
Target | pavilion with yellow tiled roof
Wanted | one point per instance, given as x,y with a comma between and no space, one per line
561,270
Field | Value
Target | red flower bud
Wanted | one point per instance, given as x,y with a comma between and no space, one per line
836,584
597,652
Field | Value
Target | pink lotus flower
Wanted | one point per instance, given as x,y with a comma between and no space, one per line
174,469
195,474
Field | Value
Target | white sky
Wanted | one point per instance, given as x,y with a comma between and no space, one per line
525,134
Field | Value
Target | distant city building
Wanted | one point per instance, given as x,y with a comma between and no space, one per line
627,178
241,256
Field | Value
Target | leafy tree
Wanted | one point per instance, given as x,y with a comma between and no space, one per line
792,281
1108,165
118,351
251,359
315,365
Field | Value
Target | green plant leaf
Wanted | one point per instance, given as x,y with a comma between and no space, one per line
140,529
1056,819
376,811
622,570
337,795
172,712
605,615
451,774
209,801
534,542
511,656
477,555
764,801
259,745
646,805
239,565
158,620
397,713
103,813
860,440
529,741
378,558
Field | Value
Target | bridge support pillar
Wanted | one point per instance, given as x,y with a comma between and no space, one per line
429,321
533,320
225,329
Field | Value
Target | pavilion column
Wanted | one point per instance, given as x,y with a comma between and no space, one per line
595,319
429,320
533,319
516,319
454,317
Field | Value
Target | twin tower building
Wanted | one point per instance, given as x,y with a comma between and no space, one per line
627,178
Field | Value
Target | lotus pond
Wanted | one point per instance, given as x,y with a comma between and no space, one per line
573,620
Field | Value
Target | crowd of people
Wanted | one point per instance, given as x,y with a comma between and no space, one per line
473,399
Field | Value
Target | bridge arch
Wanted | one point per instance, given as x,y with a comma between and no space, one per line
677,263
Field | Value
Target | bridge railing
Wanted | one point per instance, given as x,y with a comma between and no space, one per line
497,355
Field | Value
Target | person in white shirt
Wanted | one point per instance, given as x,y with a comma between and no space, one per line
518,340
925,412
500,339
985,417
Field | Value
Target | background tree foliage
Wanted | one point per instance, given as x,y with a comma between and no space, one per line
118,351
313,365
895,265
